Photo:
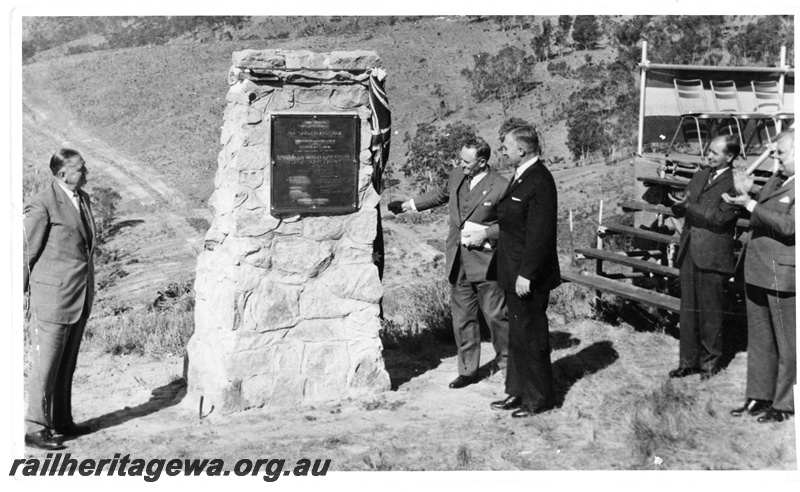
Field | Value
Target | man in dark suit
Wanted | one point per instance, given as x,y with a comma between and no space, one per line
472,192
705,259
58,276
769,274
526,267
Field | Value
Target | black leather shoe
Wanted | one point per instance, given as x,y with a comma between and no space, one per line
74,430
43,440
525,411
682,372
773,415
463,381
509,403
751,407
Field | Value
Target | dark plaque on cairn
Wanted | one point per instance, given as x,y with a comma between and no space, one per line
315,162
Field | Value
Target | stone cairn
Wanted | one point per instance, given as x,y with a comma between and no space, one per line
287,309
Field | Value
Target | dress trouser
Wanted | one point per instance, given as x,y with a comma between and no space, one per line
529,375
465,299
771,346
54,355
702,311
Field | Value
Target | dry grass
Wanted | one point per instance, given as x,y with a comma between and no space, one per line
154,333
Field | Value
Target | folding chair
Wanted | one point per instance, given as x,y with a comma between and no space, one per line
692,105
726,99
769,101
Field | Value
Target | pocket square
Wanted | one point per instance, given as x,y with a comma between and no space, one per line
516,199
487,204
785,199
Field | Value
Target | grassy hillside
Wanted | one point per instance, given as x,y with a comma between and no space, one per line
163,104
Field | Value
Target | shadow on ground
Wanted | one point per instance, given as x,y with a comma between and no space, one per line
406,362
570,369
162,397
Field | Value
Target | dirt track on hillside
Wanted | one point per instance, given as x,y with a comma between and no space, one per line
155,238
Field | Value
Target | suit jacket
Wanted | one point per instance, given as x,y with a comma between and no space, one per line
527,214
58,270
769,255
710,223
482,209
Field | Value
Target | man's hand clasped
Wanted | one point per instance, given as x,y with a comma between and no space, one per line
743,182
523,286
474,239
679,199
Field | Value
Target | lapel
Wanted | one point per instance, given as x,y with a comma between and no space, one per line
718,180
516,182
89,216
65,203
777,190
478,194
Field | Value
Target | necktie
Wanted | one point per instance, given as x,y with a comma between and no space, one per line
84,220
469,183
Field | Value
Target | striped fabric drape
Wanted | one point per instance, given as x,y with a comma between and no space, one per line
381,122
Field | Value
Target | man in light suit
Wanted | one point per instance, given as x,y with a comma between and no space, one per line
769,274
58,277
705,259
472,192
526,268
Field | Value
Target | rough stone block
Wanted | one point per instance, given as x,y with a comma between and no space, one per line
237,95
292,254
258,59
282,98
286,278
247,364
317,301
356,326
254,251
217,308
231,398
349,97
254,116
329,387
253,91
364,324
228,128
298,59
271,307
365,157
313,95
365,177
255,222
233,75
257,389
324,228
242,341
320,359
252,135
352,60
252,157
289,391
369,198
363,226
251,178
289,357
350,253
367,372
290,228
359,282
